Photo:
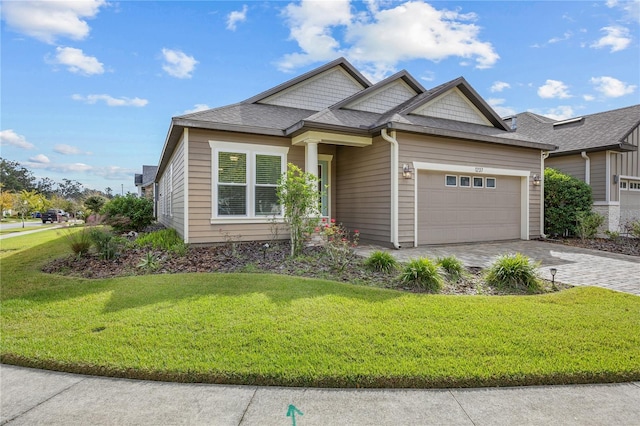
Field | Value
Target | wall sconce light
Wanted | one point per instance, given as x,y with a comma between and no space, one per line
536,180
407,171
616,178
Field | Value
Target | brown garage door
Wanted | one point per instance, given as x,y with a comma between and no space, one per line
467,212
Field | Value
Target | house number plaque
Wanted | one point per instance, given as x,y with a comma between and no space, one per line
479,169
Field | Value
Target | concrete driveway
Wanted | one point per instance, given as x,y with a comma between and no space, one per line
576,266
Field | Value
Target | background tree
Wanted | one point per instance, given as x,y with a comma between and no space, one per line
6,201
25,202
108,192
14,177
95,203
46,187
70,189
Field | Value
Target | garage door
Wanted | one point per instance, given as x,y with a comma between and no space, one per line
454,208
629,201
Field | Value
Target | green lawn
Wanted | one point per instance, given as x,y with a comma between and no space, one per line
280,330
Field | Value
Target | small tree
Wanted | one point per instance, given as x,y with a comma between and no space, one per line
126,213
564,197
95,203
298,194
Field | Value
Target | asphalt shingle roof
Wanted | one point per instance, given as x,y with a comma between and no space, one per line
595,131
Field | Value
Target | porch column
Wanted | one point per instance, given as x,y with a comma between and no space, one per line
311,156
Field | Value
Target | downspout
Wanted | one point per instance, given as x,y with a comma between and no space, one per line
587,167
394,185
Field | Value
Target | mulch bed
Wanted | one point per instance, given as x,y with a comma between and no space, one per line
254,258
622,245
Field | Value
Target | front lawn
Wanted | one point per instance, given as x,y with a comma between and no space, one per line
282,330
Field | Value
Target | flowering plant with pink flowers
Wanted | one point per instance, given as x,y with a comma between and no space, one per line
339,242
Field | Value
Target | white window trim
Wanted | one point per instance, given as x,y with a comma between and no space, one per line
251,150
473,182
460,181
495,182
446,177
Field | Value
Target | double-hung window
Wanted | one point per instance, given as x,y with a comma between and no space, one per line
245,179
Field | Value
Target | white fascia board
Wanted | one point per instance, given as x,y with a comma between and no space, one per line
438,167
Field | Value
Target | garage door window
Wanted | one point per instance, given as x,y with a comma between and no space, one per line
623,184
451,180
465,181
478,182
490,182
634,186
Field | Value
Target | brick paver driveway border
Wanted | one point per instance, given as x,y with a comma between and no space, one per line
576,266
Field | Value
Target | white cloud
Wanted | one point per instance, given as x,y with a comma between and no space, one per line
40,158
617,38
377,39
502,111
178,64
9,137
612,87
588,98
60,167
566,36
65,149
499,86
197,108
554,89
631,8
114,172
236,16
48,20
562,112
77,62
110,100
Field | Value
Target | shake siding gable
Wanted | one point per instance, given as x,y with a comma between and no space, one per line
318,92
452,105
385,99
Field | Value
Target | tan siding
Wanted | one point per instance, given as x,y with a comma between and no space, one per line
598,162
173,216
363,199
201,230
572,165
447,151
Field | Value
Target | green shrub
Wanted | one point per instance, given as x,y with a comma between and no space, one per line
150,262
452,266
612,235
422,273
105,242
564,197
515,271
381,261
164,239
634,228
79,241
128,213
587,224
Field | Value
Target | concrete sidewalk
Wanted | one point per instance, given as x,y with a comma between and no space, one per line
30,396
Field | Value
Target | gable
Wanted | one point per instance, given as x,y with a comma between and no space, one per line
452,105
318,92
386,98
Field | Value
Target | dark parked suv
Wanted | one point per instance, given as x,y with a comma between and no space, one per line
55,215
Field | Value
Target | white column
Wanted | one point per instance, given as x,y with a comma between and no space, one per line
311,156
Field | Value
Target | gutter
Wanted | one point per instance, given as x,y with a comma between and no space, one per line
394,184
587,167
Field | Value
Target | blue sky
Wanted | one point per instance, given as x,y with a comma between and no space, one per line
89,87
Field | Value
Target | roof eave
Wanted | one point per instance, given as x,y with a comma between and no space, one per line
464,135
622,147
305,125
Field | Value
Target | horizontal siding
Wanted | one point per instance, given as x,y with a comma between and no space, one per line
572,165
476,154
363,199
171,212
201,230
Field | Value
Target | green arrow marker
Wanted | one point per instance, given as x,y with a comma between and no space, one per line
291,412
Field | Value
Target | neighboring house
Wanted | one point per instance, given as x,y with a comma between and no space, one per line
600,149
145,181
404,165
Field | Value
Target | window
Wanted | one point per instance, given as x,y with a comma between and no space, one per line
465,182
246,179
634,186
623,184
477,182
490,182
451,180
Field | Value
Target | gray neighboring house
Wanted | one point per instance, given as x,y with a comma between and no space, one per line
145,181
403,164
600,149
